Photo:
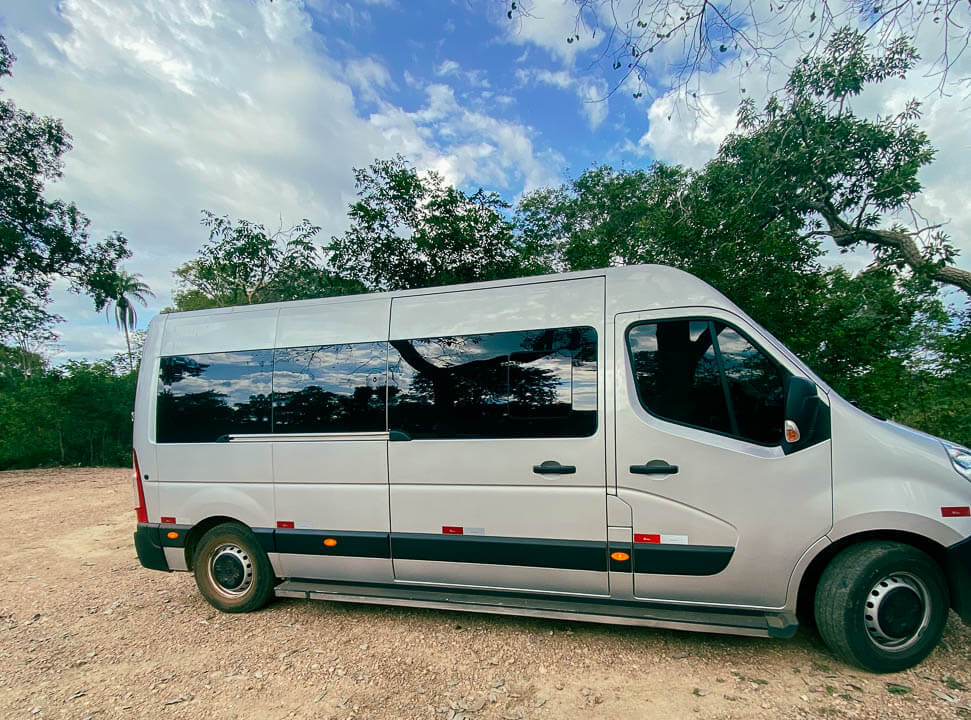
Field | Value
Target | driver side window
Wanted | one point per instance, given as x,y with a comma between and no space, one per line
705,374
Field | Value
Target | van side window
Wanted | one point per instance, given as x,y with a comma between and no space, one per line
705,374
329,388
536,383
202,397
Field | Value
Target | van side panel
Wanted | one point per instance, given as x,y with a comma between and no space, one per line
890,477
338,482
474,511
226,330
205,479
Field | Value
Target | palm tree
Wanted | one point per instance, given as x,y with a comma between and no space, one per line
129,288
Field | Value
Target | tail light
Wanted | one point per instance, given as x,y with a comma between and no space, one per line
141,512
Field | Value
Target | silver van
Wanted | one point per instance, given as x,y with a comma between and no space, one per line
621,446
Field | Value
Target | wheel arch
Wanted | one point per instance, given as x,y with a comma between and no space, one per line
805,598
195,533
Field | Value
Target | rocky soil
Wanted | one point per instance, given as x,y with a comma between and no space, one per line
86,632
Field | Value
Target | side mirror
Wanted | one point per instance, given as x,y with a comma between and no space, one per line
806,416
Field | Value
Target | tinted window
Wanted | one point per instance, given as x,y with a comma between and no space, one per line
203,397
706,374
329,388
754,387
537,383
677,373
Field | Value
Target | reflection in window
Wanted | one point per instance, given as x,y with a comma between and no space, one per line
677,373
754,387
329,388
724,384
538,383
203,397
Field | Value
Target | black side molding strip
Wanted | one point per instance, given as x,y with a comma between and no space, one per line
151,538
347,543
681,559
522,552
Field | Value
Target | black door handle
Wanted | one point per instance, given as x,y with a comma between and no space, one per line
654,467
551,467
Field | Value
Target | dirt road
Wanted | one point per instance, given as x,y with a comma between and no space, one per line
85,632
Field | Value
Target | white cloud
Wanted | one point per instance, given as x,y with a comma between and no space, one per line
559,79
467,147
683,135
447,67
450,68
592,92
369,76
232,107
548,24
594,97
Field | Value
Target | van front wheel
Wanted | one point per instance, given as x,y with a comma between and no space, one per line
232,571
882,605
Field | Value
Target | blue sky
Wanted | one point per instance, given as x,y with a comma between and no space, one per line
261,109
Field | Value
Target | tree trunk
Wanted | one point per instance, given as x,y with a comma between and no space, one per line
131,363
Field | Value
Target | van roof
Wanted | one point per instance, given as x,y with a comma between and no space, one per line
690,284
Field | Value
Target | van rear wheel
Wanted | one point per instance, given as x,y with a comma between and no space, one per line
882,605
231,569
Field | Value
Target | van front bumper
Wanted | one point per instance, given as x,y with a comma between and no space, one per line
148,547
959,577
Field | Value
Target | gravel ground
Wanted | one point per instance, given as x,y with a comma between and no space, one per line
86,632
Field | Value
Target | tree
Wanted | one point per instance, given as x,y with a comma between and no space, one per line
27,328
750,222
244,263
41,239
79,413
807,156
697,36
674,216
410,230
129,289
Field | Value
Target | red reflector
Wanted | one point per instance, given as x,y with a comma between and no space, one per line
452,530
169,520
958,511
141,510
284,524
647,538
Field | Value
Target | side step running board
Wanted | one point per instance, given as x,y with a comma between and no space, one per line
584,609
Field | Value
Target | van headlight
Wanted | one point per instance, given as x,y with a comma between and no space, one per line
960,458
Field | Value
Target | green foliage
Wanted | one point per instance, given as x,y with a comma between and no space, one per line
807,159
42,239
79,414
411,230
243,263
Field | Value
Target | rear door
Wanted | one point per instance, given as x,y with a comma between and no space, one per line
721,513
497,453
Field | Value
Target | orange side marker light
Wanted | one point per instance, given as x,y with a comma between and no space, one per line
619,556
330,542
172,535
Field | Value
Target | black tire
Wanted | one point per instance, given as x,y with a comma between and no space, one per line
232,571
882,605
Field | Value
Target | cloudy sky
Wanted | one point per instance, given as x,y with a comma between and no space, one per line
261,110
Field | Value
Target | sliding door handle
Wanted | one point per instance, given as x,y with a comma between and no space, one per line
654,467
551,467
